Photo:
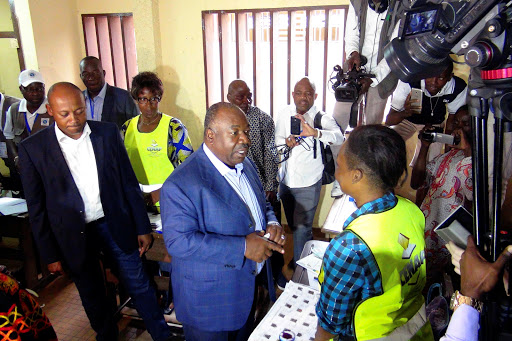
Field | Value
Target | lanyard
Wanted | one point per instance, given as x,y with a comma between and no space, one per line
91,106
27,125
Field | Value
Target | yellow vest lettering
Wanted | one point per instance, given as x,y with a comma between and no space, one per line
396,239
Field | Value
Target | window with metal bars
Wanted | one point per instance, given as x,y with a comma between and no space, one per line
111,38
271,49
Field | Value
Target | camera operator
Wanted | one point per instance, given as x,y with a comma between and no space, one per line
370,25
477,277
442,93
448,179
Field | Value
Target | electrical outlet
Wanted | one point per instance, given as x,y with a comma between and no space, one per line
14,43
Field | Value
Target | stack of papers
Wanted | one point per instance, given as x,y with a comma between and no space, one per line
294,310
11,206
340,210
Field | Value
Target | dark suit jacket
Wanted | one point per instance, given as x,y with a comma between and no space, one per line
205,223
118,106
55,207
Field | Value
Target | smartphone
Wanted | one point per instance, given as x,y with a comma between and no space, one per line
416,99
295,126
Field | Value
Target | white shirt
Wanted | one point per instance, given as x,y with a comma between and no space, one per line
302,169
81,161
94,107
31,118
2,99
240,183
404,89
370,50
463,324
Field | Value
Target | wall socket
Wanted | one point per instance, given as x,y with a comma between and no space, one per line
14,43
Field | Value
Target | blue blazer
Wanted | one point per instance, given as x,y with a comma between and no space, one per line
204,224
118,106
55,207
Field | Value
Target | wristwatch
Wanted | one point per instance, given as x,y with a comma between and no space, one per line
458,299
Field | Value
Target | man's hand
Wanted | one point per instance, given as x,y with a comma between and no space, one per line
425,143
353,60
411,106
258,249
291,142
271,196
365,85
307,130
56,268
477,275
463,144
276,234
145,242
155,196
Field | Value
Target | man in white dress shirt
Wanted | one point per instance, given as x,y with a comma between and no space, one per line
301,174
83,198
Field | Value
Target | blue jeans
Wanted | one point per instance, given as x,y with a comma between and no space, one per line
90,285
300,207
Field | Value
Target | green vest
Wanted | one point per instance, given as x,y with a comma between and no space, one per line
396,240
148,151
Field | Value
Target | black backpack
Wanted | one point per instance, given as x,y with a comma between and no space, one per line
327,157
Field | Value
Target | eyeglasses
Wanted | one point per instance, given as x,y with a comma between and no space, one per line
144,100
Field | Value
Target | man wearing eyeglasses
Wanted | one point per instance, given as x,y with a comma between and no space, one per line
104,102
301,173
29,115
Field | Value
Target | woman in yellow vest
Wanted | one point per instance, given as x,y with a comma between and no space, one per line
374,271
156,143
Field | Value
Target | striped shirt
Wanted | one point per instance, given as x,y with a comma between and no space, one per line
240,183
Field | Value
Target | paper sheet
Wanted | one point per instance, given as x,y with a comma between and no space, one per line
340,210
9,206
149,188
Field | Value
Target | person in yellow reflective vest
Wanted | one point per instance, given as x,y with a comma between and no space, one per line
156,143
374,271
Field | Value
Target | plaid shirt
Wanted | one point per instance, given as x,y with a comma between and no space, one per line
351,273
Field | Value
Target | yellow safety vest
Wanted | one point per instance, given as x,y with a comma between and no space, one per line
148,151
396,240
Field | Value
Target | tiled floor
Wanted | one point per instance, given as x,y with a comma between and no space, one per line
61,302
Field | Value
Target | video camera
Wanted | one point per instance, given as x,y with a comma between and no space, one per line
431,30
480,30
347,86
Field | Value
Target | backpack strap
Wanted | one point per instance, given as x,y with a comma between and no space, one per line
317,123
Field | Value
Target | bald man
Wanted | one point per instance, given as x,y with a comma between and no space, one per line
83,198
301,174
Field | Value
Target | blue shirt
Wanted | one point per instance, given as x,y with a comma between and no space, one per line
94,106
351,273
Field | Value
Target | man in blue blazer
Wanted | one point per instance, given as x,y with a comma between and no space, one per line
213,215
83,198
104,102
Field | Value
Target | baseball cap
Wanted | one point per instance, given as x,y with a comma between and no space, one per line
28,77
